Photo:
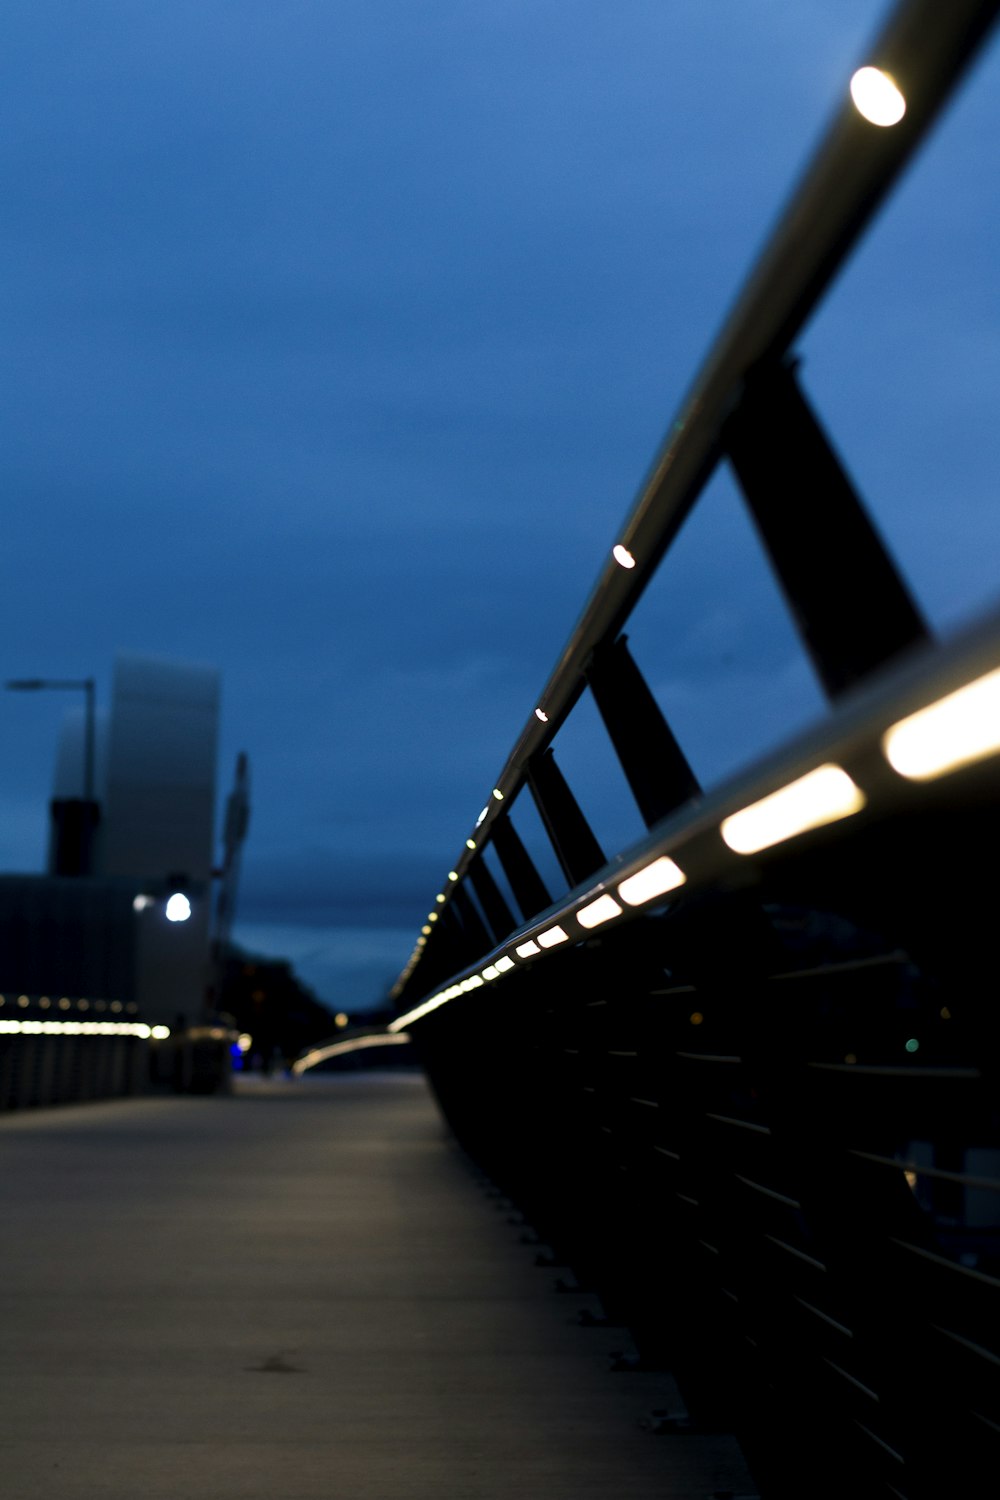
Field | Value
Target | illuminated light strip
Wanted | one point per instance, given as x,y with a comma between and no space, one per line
822,796
551,936
84,1028
419,1011
351,1044
601,910
652,880
541,715
491,972
498,794
623,556
527,950
504,965
957,730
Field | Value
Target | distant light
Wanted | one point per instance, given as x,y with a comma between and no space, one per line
159,1033
178,908
850,1058
623,556
341,1019
432,916
452,874
601,910
551,937
491,971
913,1045
23,1001
822,796
955,731
504,964
876,97
653,880
542,715
527,950
696,1018
44,1003
470,843
64,1003
140,903
482,815
439,899
79,1028
498,794
244,1041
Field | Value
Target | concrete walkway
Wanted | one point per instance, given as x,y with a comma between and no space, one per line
300,1293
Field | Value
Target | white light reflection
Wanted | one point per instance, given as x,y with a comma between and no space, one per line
601,910
623,556
822,796
957,730
877,97
653,880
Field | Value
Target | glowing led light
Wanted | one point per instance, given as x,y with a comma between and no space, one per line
696,1018
623,556
159,1033
470,843
452,874
425,930
542,715
913,1045
551,937
439,899
140,903
822,796
601,910
955,731
432,916
498,794
527,950
491,971
482,815
876,97
244,1041
504,964
653,880
178,908
77,1028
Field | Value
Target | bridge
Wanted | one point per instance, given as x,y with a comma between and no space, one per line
737,1077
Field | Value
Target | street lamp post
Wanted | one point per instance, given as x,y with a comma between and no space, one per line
88,810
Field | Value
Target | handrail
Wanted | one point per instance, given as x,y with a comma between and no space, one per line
925,47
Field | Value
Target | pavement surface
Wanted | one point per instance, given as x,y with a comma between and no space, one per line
299,1293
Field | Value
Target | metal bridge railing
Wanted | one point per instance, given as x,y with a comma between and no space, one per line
743,1073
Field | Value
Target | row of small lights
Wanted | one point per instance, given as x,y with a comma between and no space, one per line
957,730
879,100
85,1028
44,1003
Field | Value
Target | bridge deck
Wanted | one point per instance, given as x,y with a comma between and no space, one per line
300,1292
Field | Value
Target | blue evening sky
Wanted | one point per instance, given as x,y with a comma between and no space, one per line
339,337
